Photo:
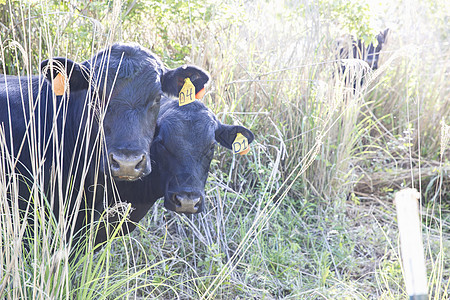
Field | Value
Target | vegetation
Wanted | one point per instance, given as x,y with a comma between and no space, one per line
308,213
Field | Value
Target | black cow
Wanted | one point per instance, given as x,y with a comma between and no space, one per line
117,93
370,54
181,154
358,50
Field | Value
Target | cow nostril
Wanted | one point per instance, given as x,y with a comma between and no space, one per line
176,201
197,205
114,164
141,164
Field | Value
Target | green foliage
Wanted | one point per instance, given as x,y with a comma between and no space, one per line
173,25
353,17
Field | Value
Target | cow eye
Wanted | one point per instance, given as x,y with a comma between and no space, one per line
157,100
154,101
209,151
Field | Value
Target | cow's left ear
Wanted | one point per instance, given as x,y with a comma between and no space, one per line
382,36
173,80
226,134
77,74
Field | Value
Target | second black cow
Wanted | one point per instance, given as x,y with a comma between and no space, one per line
357,49
182,152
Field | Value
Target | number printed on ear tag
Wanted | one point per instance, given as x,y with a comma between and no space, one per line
240,144
187,93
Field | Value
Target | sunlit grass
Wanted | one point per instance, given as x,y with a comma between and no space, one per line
308,213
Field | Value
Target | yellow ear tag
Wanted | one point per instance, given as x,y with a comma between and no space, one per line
59,85
187,93
240,144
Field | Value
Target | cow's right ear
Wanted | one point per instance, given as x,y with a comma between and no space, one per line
226,134
173,80
382,36
77,74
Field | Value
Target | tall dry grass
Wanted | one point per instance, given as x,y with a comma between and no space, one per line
308,213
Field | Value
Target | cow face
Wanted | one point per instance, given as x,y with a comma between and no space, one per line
183,149
125,83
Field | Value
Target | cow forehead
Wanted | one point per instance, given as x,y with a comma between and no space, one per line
145,85
129,58
125,65
193,127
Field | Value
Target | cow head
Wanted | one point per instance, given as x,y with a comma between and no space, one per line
371,53
183,149
124,83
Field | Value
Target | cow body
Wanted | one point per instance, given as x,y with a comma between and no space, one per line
32,122
357,49
181,154
102,122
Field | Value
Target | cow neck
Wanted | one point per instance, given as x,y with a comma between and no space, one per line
154,179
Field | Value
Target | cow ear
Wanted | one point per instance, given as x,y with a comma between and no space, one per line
173,80
77,74
382,36
226,134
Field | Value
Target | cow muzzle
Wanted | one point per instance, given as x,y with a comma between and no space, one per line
129,167
185,202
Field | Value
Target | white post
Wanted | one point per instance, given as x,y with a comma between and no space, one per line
410,229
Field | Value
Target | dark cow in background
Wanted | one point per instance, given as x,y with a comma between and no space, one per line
51,123
370,54
181,152
352,49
